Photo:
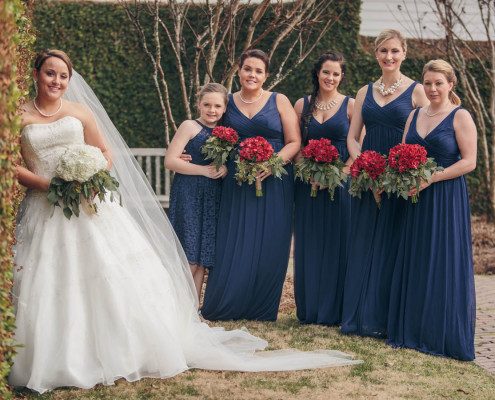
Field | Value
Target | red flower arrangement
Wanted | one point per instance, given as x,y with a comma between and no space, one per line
321,166
220,145
407,166
257,155
367,172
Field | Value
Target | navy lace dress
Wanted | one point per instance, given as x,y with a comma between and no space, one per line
375,234
194,202
253,233
321,234
432,301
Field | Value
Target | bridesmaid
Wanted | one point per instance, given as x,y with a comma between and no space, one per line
432,301
254,233
382,107
322,225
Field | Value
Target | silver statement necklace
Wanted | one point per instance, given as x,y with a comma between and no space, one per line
47,115
324,107
391,89
252,101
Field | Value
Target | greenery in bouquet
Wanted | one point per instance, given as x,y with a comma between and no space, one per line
220,145
257,155
81,176
321,166
407,166
367,172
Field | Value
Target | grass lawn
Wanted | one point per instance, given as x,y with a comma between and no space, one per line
386,373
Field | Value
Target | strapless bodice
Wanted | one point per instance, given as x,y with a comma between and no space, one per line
43,144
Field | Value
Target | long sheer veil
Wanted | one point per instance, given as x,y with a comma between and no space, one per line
138,196
204,347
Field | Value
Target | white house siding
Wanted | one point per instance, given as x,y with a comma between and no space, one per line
415,18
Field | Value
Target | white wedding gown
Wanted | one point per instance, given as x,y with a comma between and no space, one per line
95,302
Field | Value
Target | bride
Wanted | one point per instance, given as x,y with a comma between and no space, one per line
106,296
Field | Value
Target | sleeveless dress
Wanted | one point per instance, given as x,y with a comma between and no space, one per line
194,202
375,233
95,303
432,301
253,233
321,234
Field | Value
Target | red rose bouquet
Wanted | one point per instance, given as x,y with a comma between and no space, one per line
256,155
321,166
220,145
407,166
367,172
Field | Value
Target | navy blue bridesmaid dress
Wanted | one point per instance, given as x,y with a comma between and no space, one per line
375,233
432,301
253,233
321,234
194,202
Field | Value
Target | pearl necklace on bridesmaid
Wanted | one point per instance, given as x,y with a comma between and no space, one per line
47,115
391,89
325,107
252,101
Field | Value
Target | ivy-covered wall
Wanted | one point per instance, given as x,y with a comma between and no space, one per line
104,48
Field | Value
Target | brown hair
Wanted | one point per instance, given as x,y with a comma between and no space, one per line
256,53
388,34
445,68
213,88
47,53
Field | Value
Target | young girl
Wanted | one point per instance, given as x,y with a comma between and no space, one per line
195,193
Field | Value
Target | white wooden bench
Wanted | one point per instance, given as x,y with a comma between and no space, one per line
151,161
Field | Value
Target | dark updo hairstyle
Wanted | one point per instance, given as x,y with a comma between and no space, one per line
47,53
256,53
330,55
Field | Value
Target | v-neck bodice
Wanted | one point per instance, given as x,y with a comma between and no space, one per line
265,123
385,125
440,143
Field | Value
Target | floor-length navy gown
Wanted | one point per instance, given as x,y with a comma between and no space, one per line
253,233
194,202
321,234
432,301
375,233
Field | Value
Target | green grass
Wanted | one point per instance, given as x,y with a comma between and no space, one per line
386,373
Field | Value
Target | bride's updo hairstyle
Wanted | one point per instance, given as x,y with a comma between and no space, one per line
47,53
388,34
256,53
445,68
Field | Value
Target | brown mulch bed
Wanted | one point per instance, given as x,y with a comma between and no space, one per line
483,246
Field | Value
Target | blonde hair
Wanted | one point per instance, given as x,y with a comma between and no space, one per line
47,53
445,68
213,88
388,34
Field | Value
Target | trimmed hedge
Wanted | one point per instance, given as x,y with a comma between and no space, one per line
14,54
104,49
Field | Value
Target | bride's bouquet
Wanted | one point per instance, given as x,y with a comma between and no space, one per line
367,172
220,145
81,176
407,166
321,166
257,155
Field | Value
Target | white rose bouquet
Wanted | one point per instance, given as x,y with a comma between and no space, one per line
81,175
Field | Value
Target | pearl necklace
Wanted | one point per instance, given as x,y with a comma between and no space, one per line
47,115
432,115
250,102
391,89
324,107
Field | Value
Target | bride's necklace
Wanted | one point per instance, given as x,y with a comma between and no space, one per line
391,89
324,107
432,115
47,115
252,101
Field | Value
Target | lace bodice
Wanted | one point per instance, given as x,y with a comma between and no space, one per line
43,144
